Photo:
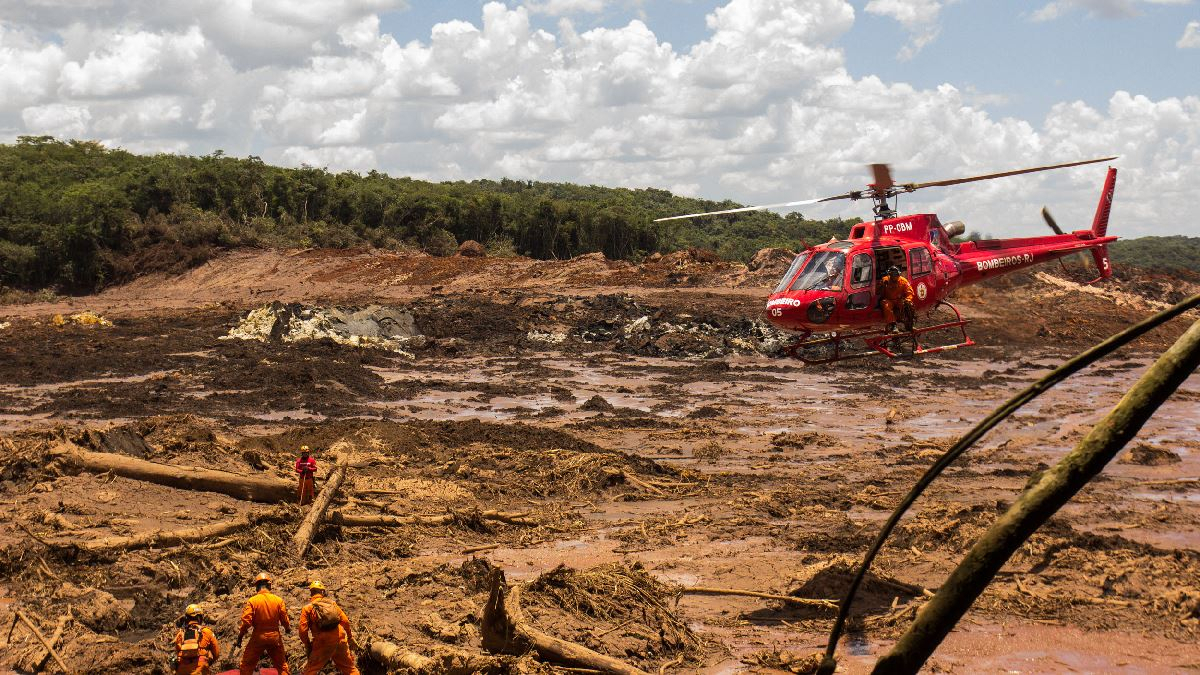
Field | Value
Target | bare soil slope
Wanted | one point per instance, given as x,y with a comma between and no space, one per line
626,424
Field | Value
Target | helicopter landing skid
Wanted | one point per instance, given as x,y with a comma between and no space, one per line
876,341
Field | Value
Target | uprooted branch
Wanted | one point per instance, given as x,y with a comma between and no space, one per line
42,639
446,662
251,488
355,520
812,602
161,538
505,631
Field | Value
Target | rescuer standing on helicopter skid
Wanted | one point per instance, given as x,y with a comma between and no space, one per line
330,634
195,645
897,299
265,612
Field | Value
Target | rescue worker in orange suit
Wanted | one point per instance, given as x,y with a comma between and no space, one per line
265,613
195,645
896,299
330,634
306,468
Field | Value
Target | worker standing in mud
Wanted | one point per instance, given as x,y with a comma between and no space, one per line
195,645
306,470
896,299
330,634
265,613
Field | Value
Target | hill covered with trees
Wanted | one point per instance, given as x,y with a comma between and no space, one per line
1168,254
76,215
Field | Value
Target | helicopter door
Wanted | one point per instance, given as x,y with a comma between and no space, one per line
862,267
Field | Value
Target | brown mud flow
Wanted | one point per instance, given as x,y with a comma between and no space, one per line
608,436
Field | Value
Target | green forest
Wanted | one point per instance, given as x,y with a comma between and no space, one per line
76,216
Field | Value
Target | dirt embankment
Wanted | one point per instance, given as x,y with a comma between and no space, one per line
608,435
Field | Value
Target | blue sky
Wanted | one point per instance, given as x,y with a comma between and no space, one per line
759,101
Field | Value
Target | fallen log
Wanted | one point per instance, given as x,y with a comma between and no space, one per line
49,647
505,631
812,602
251,488
160,538
445,662
356,520
316,513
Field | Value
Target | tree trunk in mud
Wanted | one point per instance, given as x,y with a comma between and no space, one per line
506,632
316,513
160,538
251,488
447,662
354,520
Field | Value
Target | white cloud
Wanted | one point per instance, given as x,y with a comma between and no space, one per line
562,7
57,119
762,110
919,17
1191,36
1109,9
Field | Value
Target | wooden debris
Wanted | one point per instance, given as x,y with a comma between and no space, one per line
505,631
251,488
356,520
161,538
316,513
812,602
446,661
42,639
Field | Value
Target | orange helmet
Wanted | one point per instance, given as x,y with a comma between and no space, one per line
262,576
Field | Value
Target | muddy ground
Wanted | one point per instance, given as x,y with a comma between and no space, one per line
639,418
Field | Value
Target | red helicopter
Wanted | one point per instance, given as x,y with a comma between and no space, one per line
835,306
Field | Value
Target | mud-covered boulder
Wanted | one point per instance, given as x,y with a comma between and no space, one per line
471,249
1149,455
770,259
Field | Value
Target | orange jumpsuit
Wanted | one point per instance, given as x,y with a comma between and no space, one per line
326,645
209,651
265,612
896,295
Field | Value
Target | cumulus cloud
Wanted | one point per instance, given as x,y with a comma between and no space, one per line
562,7
1191,36
761,110
919,17
1109,9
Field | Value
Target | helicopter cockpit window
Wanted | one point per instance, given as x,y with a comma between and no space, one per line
861,267
787,277
825,272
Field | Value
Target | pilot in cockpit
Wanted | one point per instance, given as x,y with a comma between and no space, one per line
832,279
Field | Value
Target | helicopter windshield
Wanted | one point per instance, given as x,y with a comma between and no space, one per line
825,273
797,263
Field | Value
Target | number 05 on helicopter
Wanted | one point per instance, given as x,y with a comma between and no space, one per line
833,297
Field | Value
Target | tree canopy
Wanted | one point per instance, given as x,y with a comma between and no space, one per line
77,215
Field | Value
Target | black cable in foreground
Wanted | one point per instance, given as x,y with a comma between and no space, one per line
1068,368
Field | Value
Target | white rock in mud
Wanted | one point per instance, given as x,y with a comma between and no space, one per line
5,324
372,326
549,338
637,326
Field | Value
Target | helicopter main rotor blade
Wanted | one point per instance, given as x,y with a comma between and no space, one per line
747,208
883,177
909,187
